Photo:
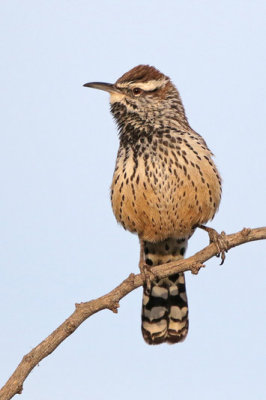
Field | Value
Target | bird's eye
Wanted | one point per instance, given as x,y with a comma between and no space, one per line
136,91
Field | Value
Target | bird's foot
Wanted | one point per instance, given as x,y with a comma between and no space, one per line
219,239
147,274
144,268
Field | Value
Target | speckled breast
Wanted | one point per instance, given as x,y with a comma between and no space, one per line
165,193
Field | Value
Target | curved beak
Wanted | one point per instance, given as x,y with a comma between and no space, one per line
106,87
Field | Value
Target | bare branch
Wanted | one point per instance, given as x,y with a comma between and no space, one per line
111,301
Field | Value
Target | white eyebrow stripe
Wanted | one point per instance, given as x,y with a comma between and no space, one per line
147,86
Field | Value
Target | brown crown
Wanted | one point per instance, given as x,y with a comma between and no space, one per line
141,73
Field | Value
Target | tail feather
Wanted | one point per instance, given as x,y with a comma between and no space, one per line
165,308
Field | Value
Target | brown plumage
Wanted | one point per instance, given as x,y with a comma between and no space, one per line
165,183
141,73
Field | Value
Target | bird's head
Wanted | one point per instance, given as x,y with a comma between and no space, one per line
143,92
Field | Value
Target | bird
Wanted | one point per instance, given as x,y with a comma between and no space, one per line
165,184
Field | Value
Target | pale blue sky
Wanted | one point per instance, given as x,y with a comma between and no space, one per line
59,241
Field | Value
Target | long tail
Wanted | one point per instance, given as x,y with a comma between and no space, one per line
164,307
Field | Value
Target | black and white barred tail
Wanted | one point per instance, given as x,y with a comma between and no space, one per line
165,307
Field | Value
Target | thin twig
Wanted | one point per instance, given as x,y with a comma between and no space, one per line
111,301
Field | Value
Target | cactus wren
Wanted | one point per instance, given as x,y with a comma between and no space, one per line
164,185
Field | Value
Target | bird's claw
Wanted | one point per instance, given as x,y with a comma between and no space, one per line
147,274
219,239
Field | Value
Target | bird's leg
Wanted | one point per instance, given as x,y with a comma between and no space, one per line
218,239
145,269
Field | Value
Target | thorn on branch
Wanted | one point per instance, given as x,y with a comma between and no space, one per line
131,279
114,305
20,389
245,231
196,267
